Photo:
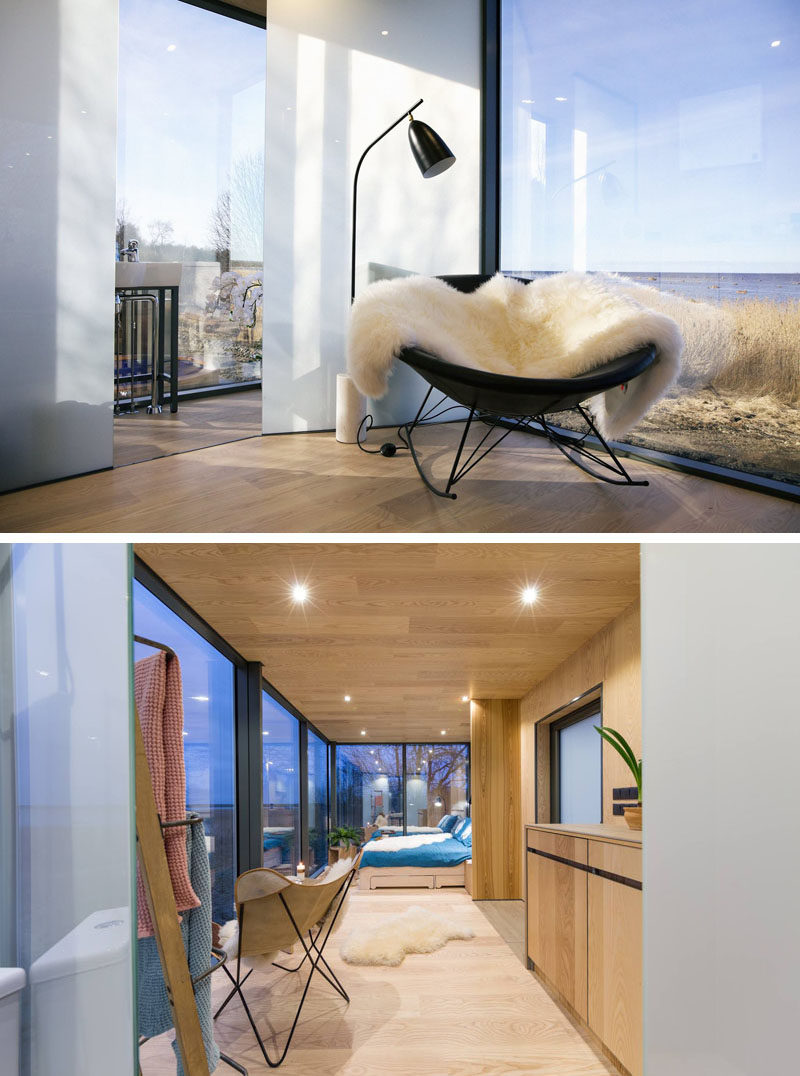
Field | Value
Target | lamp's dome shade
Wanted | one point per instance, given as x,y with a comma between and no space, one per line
430,152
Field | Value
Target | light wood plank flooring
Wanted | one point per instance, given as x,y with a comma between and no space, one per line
310,483
469,1009
199,423
508,919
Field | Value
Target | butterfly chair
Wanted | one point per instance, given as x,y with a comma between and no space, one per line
506,403
275,913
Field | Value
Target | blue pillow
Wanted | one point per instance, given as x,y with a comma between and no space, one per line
463,829
446,823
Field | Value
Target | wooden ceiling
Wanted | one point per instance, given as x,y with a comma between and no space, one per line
405,629
255,7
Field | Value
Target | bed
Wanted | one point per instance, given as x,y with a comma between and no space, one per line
430,861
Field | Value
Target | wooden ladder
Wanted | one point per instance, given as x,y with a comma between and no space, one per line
164,914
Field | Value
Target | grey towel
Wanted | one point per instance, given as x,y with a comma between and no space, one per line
155,1016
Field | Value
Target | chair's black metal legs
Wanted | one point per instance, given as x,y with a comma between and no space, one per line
610,470
575,449
313,953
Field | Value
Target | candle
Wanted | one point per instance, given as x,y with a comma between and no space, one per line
301,871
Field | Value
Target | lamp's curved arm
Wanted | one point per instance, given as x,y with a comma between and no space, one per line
407,112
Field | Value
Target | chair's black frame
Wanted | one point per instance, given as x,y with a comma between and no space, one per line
510,403
309,949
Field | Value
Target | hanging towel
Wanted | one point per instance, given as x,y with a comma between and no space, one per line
159,702
155,1015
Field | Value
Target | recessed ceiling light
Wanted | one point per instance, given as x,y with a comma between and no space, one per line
465,698
265,733
560,98
199,698
385,33
774,44
171,48
529,595
300,593
363,732
444,732
347,698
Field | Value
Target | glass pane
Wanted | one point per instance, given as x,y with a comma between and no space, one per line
190,175
67,917
208,729
281,822
436,783
317,803
369,790
680,173
580,757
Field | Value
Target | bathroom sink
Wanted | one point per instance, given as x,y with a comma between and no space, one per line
148,274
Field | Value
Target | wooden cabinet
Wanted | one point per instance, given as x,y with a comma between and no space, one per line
584,929
557,915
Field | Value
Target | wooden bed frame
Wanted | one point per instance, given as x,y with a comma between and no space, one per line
410,877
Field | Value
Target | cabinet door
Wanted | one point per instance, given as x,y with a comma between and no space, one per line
557,926
615,969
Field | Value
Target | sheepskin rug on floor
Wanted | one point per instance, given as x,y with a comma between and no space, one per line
415,931
557,326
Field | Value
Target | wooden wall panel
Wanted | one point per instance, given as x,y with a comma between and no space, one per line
612,658
496,809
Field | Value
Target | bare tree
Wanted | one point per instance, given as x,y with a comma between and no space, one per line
160,233
126,229
247,207
220,231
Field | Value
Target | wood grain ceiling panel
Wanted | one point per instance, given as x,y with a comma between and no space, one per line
404,629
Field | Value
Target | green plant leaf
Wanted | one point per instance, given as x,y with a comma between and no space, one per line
623,748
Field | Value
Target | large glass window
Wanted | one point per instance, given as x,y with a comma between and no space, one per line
369,785
577,771
281,795
317,802
660,141
208,730
436,783
190,184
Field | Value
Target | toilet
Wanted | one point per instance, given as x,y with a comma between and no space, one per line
12,983
81,1000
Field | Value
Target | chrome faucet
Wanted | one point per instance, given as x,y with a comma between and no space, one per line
130,253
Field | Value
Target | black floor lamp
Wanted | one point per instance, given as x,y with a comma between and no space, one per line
431,154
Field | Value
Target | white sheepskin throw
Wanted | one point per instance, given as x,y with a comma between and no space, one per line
556,326
415,931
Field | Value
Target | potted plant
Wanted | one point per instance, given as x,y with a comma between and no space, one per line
343,841
633,815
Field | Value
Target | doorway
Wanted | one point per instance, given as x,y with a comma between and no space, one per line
190,210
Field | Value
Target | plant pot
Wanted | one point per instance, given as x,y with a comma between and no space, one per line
633,816
347,851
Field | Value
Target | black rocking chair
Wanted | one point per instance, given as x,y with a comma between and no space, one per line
507,404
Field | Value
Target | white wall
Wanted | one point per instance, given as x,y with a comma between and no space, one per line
334,83
58,104
72,745
721,743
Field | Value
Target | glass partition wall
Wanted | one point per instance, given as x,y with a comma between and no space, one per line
678,172
402,788
190,182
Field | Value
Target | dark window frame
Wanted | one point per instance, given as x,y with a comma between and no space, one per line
556,727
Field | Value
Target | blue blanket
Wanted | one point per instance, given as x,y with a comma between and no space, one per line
446,853
155,1015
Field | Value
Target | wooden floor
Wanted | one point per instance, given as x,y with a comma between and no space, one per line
311,483
198,423
508,919
469,1009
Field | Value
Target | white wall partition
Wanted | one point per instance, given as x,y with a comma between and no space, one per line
58,102
722,822
335,81
69,731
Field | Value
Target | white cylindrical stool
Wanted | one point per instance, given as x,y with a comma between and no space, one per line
351,409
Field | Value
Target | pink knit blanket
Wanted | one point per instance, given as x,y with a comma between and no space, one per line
159,702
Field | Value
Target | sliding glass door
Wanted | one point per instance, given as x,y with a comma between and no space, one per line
317,754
